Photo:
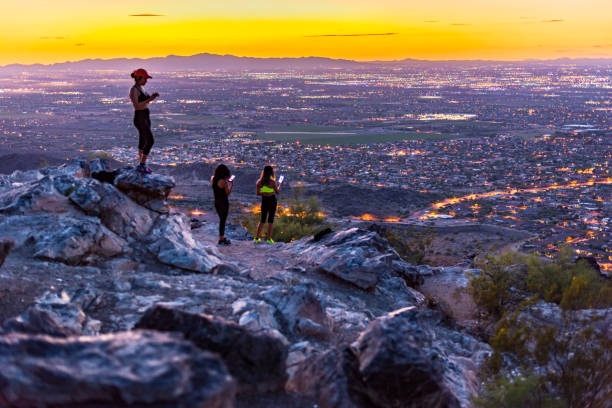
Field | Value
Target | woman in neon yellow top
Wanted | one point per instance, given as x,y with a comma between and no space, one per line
267,189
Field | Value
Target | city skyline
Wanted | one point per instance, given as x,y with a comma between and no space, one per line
359,30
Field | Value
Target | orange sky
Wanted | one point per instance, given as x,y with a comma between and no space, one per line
59,30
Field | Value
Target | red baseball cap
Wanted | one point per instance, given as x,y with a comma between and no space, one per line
141,72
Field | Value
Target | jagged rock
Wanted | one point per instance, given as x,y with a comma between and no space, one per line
117,212
63,239
77,242
5,248
256,360
255,315
403,295
130,369
355,255
57,314
171,242
330,377
148,190
410,273
395,367
407,358
300,309
53,315
39,196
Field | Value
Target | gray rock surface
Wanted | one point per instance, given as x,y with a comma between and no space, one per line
256,360
148,190
171,242
6,245
355,255
129,369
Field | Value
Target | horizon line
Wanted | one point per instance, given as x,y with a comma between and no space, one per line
310,56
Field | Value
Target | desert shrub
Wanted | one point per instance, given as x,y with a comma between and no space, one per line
572,286
297,218
520,392
574,361
412,246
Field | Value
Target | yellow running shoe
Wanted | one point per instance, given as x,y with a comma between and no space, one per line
270,241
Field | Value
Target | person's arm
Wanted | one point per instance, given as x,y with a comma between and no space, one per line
140,105
276,187
229,186
211,180
258,188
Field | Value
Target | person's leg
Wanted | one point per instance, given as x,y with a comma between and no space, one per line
222,209
258,233
272,212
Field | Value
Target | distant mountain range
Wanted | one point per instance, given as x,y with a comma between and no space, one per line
214,62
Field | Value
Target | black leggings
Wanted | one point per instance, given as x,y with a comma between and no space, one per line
142,121
222,207
268,208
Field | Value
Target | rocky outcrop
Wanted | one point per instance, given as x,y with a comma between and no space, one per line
5,249
66,239
406,358
116,211
256,360
54,314
356,256
58,214
171,242
129,369
149,190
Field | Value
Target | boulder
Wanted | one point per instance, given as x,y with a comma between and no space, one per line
129,369
300,310
52,315
5,248
354,255
77,242
57,314
148,190
331,378
396,369
116,211
256,360
39,196
73,241
407,358
172,243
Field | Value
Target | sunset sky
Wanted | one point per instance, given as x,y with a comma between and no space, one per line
60,30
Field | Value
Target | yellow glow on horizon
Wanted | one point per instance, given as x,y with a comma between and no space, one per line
46,32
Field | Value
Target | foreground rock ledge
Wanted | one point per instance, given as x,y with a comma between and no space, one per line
128,369
256,360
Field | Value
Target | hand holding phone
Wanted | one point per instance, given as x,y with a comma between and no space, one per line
231,179
155,95
280,179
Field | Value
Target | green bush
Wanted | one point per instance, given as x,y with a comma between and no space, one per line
519,392
577,360
412,246
300,217
573,286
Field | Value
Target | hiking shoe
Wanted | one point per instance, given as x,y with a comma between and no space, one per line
257,240
224,241
147,170
141,168
270,241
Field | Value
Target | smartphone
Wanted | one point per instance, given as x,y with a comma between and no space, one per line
155,94
280,179
232,177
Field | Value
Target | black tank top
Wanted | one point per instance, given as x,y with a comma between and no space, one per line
219,192
142,95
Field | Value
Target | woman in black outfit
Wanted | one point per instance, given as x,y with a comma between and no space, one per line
222,188
267,189
140,99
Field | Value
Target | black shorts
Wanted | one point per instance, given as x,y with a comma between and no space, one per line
268,208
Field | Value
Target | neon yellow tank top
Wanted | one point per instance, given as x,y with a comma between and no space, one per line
266,189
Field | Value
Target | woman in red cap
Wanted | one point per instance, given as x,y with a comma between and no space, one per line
142,121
